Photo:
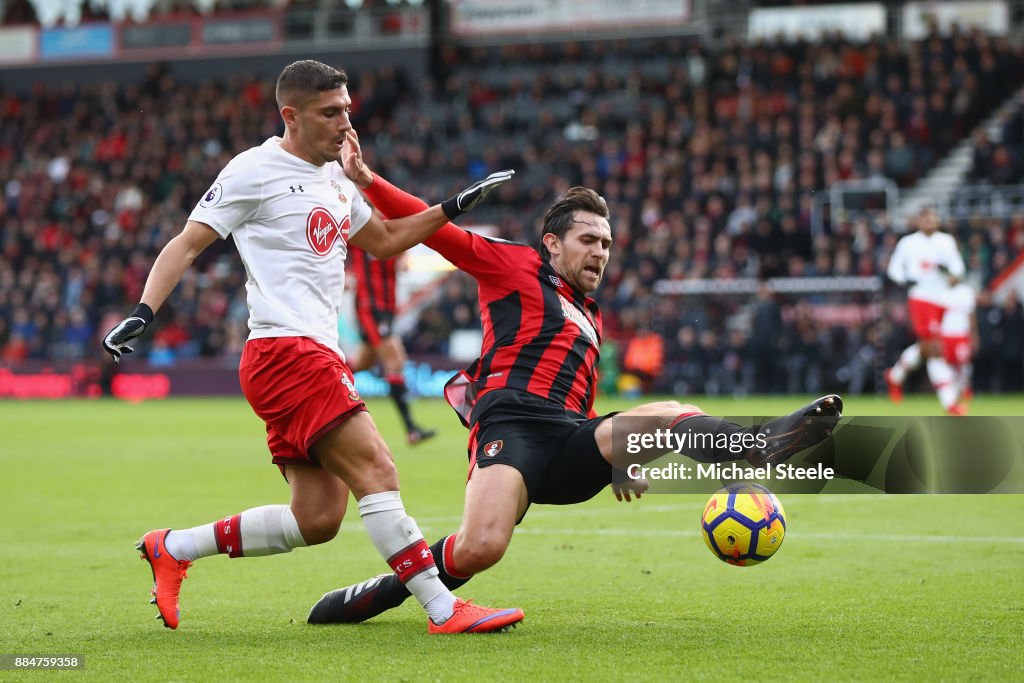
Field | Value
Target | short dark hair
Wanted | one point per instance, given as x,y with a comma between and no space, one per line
558,218
307,77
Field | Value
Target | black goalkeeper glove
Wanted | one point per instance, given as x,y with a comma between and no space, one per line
116,341
474,194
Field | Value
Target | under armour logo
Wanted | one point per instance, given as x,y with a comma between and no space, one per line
425,553
296,188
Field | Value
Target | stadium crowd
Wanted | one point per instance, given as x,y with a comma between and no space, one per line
709,160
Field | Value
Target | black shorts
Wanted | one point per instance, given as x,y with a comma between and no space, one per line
555,450
374,324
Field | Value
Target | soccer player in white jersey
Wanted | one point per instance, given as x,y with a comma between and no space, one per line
928,263
959,332
292,212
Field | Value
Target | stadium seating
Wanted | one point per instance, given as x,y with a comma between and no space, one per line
709,159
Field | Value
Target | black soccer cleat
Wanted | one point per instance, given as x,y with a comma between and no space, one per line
359,602
419,435
803,428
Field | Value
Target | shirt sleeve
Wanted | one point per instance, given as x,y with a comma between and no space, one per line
233,198
361,212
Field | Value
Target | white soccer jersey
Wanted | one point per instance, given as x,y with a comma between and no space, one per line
291,222
917,258
956,321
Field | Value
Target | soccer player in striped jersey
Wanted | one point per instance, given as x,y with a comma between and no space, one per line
375,316
527,401
292,213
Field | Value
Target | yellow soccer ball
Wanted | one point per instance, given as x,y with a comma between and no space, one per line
743,524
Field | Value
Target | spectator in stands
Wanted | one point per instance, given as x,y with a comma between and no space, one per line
695,142
644,357
1011,370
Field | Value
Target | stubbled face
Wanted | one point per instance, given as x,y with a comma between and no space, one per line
581,256
317,126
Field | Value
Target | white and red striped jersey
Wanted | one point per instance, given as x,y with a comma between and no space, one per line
291,222
918,257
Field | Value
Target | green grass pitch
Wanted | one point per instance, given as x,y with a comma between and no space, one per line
866,587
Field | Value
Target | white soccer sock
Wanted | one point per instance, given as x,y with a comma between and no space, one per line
944,380
966,370
266,530
270,530
191,544
909,360
393,532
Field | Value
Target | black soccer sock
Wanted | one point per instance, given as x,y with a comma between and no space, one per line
706,438
400,395
442,551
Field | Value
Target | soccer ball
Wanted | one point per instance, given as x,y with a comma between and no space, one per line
743,524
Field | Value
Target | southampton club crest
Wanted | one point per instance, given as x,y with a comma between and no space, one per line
353,395
337,188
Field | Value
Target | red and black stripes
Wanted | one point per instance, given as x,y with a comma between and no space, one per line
375,280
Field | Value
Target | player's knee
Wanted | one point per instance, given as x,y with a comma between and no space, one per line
382,468
479,554
677,408
377,473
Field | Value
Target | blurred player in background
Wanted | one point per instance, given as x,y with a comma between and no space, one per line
960,340
928,263
292,213
375,315
528,400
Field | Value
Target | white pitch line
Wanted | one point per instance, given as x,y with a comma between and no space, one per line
897,538
563,511
679,533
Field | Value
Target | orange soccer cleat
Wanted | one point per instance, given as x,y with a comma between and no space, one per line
895,390
470,618
168,574
958,409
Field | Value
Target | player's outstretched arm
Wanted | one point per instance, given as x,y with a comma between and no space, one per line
386,238
174,259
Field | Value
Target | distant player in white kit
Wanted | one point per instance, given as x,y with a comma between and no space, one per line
928,263
959,340
292,212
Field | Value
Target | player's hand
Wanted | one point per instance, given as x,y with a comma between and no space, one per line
352,160
116,341
624,489
474,194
